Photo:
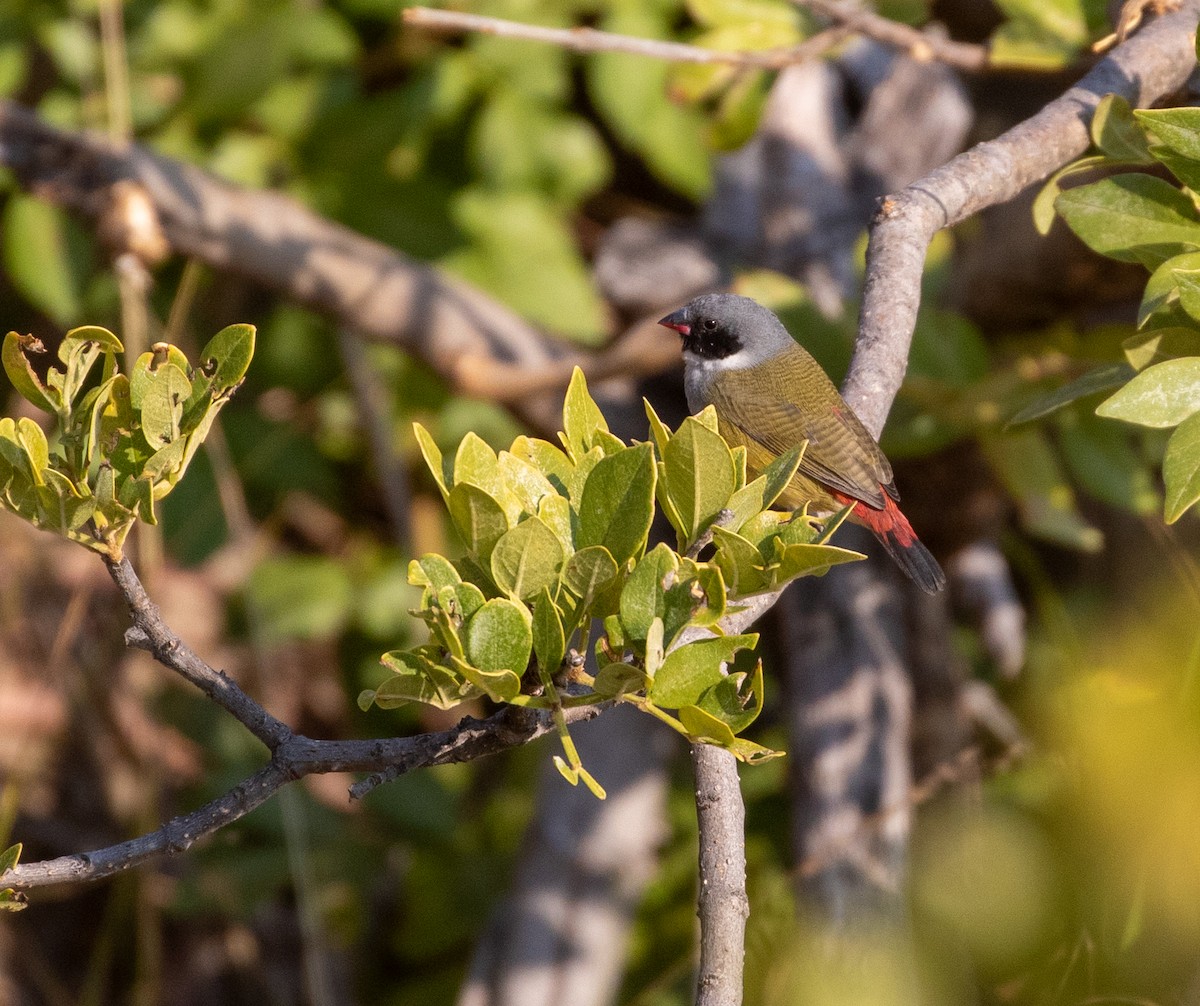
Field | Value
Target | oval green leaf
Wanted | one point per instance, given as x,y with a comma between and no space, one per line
1160,396
479,518
499,637
1181,469
527,559
691,670
1133,218
617,504
699,474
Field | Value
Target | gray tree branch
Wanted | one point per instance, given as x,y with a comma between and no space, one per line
1151,64
723,906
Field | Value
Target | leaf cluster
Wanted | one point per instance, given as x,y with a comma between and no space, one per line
557,541
1138,216
122,441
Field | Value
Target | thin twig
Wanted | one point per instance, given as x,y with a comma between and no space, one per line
150,632
594,40
920,44
293,755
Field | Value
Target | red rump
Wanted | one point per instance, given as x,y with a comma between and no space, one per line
888,521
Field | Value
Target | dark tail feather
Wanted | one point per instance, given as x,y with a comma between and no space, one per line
895,533
916,560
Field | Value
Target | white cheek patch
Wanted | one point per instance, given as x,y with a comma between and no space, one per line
740,360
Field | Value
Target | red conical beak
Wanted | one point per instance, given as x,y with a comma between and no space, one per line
678,321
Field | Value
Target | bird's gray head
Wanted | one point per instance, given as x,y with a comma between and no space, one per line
722,331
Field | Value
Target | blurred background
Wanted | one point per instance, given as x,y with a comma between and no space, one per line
990,796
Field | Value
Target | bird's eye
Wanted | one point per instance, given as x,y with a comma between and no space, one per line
709,324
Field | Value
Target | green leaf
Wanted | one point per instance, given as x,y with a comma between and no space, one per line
658,429
165,393
476,463
525,481
299,597
617,679
548,459
702,725
1181,469
137,495
690,670
1133,218
79,350
656,640
589,571
507,230
555,512
13,901
1115,130
226,358
745,503
740,563
617,503
780,472
549,640
500,686
45,256
479,518
9,858
164,467
796,560
699,474
642,597
433,459
420,679
499,637
1186,169
1159,396
736,700
24,378
581,417
751,753
628,94
433,571
31,437
1177,131
1156,344
1105,378
1166,284
1044,212
527,559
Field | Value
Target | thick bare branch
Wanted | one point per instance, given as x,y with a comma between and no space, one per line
723,907
481,346
593,40
1153,63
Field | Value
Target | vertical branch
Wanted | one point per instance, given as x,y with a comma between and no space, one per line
723,906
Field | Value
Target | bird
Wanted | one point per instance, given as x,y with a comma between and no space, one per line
770,395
